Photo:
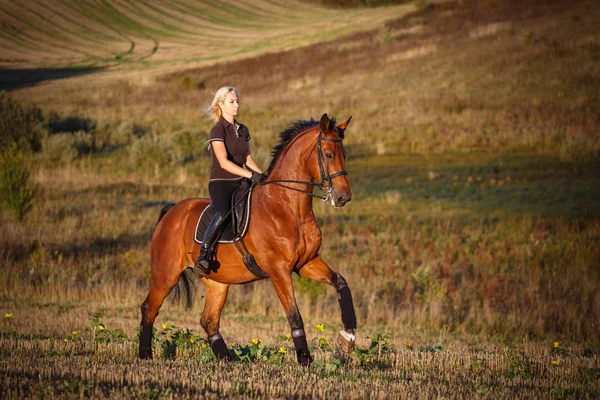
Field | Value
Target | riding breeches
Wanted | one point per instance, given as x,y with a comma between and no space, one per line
221,193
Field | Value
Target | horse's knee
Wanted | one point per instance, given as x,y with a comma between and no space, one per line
339,282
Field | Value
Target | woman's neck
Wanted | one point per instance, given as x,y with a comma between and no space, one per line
228,118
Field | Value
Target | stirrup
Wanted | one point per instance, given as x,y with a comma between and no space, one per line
203,263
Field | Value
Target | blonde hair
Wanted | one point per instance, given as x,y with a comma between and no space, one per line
213,111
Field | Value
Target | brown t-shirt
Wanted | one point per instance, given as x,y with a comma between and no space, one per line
237,146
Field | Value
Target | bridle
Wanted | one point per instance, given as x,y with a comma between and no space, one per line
326,183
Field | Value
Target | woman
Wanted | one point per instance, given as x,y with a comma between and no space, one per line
230,145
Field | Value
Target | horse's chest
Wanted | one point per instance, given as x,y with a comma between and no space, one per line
310,237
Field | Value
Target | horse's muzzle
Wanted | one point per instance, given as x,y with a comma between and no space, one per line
340,201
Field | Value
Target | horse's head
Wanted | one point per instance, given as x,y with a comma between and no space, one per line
329,167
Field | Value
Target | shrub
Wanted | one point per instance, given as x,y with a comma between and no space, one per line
84,143
20,125
59,149
189,146
578,151
151,150
17,192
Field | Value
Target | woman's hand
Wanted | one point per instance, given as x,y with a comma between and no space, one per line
257,177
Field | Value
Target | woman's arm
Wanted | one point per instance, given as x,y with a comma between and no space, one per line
250,163
221,154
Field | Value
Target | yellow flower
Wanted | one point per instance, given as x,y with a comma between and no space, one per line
74,333
8,316
101,327
256,341
66,340
282,350
204,345
192,340
555,362
556,344
409,346
164,326
288,336
320,327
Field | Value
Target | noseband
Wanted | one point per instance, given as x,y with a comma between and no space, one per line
326,178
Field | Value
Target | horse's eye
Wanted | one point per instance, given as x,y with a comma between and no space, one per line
328,155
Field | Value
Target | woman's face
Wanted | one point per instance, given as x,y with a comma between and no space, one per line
230,105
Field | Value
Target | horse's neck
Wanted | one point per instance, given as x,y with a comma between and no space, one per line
291,165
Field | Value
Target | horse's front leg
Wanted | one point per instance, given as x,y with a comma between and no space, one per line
285,291
316,269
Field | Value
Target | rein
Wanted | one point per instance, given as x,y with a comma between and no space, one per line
326,177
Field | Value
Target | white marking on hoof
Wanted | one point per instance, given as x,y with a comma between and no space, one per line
349,337
346,341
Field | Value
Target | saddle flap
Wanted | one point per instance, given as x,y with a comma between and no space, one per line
238,221
241,207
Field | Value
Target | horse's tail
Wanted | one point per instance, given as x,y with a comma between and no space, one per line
164,210
183,291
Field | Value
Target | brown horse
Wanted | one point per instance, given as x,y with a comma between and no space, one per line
283,236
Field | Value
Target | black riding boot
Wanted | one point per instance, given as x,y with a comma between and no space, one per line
211,236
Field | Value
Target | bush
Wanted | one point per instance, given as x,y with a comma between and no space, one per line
189,146
84,143
578,151
17,192
20,125
59,149
150,150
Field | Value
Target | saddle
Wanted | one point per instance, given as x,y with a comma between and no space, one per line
236,226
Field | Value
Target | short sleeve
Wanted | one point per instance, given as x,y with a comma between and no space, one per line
217,133
247,136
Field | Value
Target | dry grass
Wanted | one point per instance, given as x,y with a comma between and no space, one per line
45,367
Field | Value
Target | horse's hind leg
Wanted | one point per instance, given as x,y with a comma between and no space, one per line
216,294
317,270
162,283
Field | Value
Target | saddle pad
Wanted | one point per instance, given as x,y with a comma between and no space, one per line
231,231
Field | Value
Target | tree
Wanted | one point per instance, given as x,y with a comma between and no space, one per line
15,189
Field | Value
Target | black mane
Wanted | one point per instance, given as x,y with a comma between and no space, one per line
290,133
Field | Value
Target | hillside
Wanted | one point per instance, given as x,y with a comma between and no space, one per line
56,33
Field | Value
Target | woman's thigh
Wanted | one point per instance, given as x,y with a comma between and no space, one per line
220,194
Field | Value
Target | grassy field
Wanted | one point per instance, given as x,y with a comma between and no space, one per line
471,240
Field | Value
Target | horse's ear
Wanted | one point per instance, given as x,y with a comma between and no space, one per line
344,124
324,123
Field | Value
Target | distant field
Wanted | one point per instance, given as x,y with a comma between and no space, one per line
149,33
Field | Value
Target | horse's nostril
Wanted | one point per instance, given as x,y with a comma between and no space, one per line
342,200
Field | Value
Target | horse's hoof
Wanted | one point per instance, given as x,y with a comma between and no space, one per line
145,354
305,360
346,341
